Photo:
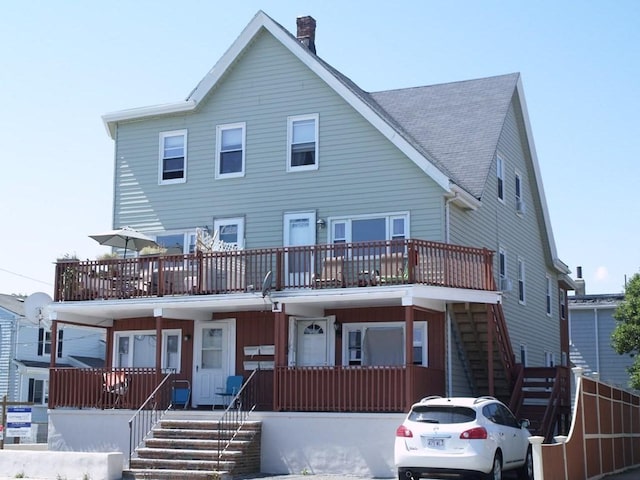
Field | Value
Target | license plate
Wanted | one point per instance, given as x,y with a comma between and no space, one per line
435,442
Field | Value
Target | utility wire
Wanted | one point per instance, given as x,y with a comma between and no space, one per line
24,276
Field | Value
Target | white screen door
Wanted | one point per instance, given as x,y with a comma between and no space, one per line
299,229
213,360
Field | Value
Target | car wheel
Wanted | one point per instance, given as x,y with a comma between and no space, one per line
496,470
526,471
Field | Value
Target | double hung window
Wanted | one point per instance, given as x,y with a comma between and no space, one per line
138,349
500,175
521,281
173,157
44,342
230,150
302,142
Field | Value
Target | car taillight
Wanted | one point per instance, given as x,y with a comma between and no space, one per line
478,433
403,431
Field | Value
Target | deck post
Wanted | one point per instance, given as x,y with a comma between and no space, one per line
280,358
54,343
490,327
408,377
157,312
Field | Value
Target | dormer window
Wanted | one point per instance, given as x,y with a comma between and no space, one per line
302,142
173,157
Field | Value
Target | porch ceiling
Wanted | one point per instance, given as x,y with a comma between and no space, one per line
297,302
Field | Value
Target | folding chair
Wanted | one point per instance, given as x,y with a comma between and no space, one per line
181,395
233,386
116,384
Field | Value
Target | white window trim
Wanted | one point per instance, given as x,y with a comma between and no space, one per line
548,296
389,218
349,327
522,278
290,121
188,236
500,175
520,205
163,135
239,221
219,130
502,252
132,333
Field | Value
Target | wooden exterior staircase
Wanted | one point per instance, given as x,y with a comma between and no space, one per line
540,394
182,448
479,325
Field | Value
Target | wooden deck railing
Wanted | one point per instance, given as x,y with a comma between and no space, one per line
100,387
302,389
353,389
315,266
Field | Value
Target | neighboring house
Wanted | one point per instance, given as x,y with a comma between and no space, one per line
591,324
383,242
25,353
11,312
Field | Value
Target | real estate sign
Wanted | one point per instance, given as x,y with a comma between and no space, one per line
18,421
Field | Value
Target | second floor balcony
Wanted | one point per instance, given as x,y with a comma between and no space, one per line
333,266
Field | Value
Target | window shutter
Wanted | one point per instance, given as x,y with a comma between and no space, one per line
40,341
60,332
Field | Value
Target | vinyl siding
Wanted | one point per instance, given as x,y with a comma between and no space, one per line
497,224
7,341
360,172
591,330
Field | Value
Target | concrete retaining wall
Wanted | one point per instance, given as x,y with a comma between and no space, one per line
61,465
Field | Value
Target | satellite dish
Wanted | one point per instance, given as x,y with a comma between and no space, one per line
36,308
266,283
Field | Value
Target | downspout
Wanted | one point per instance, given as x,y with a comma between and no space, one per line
447,310
597,338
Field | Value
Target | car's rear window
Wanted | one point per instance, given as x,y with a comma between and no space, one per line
442,414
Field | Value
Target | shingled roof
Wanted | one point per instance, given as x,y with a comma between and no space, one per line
12,303
458,123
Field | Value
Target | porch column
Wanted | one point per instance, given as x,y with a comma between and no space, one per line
157,312
280,358
490,327
408,347
54,343
108,357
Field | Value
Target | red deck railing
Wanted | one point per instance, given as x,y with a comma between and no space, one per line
302,389
354,389
101,387
315,266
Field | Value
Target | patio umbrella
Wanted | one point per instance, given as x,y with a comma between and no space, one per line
125,237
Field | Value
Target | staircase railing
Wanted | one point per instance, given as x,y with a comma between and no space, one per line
150,413
236,414
517,397
556,400
501,335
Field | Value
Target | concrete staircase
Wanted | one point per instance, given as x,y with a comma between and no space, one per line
187,448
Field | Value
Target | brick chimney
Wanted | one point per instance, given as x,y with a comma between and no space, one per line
307,32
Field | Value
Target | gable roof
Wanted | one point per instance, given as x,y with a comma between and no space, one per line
443,128
460,123
12,304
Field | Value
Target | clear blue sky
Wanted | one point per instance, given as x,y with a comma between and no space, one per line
66,63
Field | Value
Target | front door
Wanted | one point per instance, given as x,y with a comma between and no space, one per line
299,229
313,341
214,360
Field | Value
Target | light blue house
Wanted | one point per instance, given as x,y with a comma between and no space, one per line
403,231
591,325
25,358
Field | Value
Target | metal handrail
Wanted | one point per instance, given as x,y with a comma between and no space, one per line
149,414
236,414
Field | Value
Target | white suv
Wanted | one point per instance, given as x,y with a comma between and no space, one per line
464,436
